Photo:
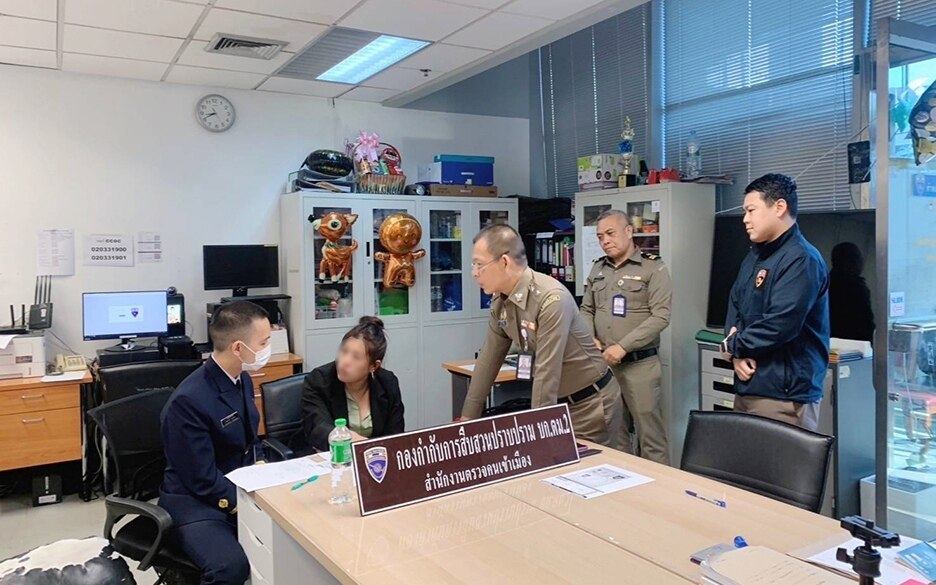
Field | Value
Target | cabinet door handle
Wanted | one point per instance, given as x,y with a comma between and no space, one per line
32,396
368,249
32,421
257,374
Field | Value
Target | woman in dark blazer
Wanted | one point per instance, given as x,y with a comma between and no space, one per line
353,387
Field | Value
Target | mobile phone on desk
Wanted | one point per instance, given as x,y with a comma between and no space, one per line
585,450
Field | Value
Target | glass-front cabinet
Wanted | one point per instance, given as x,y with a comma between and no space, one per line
905,299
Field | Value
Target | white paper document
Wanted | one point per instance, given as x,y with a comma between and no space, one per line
591,248
258,477
892,571
5,340
55,253
65,377
597,481
503,368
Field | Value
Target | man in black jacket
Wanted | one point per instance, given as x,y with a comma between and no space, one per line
777,331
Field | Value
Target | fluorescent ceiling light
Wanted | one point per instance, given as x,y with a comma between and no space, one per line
371,59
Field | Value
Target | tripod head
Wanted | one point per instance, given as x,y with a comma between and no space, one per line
866,560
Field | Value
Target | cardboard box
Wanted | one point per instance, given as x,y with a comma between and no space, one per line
456,169
599,171
462,191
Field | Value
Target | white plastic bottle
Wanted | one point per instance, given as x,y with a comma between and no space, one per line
342,480
693,156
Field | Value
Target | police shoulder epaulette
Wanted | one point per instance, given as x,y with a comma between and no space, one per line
598,259
650,256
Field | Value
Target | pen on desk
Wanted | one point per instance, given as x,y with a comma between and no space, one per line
304,482
717,502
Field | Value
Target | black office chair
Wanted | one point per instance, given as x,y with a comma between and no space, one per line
771,458
282,416
134,446
126,380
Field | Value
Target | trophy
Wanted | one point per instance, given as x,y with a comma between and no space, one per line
626,147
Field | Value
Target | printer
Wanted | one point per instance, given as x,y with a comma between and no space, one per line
22,356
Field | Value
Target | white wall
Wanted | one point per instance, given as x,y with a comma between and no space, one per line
103,155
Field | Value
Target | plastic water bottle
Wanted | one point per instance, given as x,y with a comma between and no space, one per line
339,444
693,156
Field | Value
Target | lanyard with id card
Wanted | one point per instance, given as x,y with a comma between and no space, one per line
619,306
524,359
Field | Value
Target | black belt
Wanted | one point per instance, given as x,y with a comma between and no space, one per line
588,391
639,355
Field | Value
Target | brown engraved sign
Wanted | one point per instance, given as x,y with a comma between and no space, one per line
421,465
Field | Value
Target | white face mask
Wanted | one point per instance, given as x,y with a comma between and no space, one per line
260,358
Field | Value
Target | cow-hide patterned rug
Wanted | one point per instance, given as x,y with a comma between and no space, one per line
89,561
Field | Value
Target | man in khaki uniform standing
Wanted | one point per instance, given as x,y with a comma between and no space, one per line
539,315
627,302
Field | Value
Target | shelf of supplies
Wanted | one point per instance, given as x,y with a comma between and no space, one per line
444,239
434,272
646,234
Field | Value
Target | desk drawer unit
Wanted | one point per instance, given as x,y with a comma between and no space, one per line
41,437
267,374
38,400
260,556
711,362
250,516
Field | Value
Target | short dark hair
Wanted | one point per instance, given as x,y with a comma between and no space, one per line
232,321
614,213
503,240
847,257
773,187
370,330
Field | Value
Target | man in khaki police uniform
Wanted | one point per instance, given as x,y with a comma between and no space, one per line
538,314
626,305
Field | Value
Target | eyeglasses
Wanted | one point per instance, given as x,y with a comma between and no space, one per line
477,268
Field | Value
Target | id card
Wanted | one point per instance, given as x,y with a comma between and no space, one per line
619,306
525,366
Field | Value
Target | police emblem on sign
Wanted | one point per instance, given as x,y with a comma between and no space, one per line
761,277
375,459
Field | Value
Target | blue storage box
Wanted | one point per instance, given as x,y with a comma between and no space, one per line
456,169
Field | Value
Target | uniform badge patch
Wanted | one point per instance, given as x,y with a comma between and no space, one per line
549,300
761,277
376,460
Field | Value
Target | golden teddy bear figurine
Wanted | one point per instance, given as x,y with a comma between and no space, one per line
399,234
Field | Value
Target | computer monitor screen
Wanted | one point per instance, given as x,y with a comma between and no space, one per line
115,315
240,267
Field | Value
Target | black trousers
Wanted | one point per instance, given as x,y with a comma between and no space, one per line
213,546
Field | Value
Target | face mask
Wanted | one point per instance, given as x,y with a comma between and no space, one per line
260,358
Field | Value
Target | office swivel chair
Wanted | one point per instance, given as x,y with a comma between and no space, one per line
126,380
134,446
771,458
282,416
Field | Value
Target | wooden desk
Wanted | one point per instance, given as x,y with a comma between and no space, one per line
506,385
281,365
40,422
518,531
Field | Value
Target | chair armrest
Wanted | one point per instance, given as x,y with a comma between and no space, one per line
277,450
117,508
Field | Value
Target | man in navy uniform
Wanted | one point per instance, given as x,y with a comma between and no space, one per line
778,313
209,428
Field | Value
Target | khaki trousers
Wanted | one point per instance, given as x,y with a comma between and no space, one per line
641,389
598,417
796,413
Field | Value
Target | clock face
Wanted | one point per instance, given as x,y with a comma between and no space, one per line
215,113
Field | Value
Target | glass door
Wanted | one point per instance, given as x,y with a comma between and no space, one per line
905,300
448,254
488,214
394,302
587,248
335,262
645,217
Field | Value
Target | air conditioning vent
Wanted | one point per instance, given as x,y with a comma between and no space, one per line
239,46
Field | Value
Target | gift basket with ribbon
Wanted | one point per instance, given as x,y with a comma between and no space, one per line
378,165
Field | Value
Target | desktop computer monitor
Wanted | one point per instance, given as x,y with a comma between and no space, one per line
124,316
240,267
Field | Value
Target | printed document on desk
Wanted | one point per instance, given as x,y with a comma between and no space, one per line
503,368
258,477
763,566
597,481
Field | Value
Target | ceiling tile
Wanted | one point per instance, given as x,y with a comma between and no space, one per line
113,67
399,78
396,17
30,57
112,43
321,11
41,9
487,4
552,9
369,94
301,86
297,34
195,54
26,33
213,77
441,58
498,30
157,17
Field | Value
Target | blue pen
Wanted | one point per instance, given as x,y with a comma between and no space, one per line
717,502
304,482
